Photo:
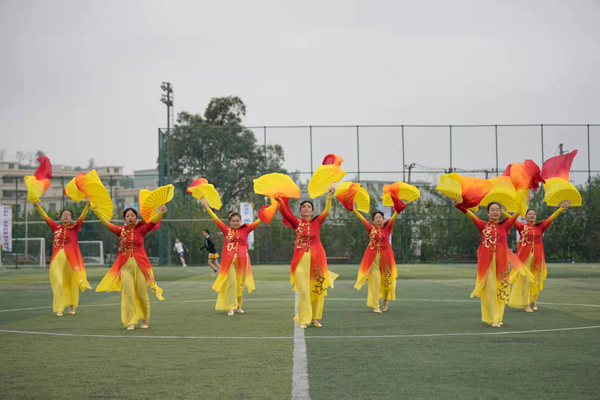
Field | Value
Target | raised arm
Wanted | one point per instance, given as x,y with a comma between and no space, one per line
391,222
327,209
364,221
53,225
253,225
286,213
152,224
111,227
518,224
478,223
82,216
511,221
545,224
220,224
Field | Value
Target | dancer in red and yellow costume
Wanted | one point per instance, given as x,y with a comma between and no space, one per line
524,294
236,271
493,255
67,272
378,264
131,272
309,274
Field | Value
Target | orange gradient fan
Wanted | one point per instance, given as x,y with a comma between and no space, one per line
557,187
403,191
326,174
349,193
525,175
266,214
503,192
40,181
72,191
91,185
151,200
275,184
468,191
201,188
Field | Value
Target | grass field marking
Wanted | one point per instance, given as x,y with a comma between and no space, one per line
453,334
287,299
578,328
300,369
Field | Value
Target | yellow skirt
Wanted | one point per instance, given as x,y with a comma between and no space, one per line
231,293
310,297
135,304
380,285
493,293
64,283
523,291
212,256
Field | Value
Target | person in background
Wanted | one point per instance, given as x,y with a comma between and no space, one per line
179,248
213,255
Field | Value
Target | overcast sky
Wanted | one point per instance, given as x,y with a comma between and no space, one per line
80,79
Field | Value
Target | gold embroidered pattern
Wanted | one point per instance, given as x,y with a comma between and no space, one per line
126,241
503,286
303,235
233,239
490,234
527,235
375,239
317,273
386,275
60,236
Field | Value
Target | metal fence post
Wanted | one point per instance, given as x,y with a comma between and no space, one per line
450,205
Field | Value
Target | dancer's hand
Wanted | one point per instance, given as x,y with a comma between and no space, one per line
37,204
162,209
455,202
332,188
204,202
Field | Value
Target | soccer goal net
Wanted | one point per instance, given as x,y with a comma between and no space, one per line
92,252
30,252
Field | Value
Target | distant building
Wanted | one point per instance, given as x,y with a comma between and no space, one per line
122,189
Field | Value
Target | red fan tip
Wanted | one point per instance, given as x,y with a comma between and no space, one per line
507,170
398,204
536,177
332,159
197,182
44,171
559,166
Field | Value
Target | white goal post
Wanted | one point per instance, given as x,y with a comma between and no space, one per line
92,252
30,252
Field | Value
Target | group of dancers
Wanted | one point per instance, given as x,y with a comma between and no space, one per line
131,272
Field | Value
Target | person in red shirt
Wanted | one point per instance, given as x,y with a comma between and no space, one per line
309,274
67,272
236,271
493,286
131,271
378,264
530,251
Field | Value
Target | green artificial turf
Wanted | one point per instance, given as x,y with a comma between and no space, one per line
419,349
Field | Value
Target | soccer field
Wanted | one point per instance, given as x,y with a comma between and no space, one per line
431,344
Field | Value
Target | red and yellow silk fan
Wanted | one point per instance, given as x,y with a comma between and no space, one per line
326,174
349,193
201,188
40,181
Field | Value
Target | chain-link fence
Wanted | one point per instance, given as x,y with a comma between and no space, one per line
429,230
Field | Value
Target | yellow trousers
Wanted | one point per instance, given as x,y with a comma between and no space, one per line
377,288
523,292
488,289
135,304
231,294
310,304
64,286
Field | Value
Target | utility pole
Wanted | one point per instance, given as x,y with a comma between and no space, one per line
410,167
166,98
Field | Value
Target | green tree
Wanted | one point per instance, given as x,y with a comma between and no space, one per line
217,147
